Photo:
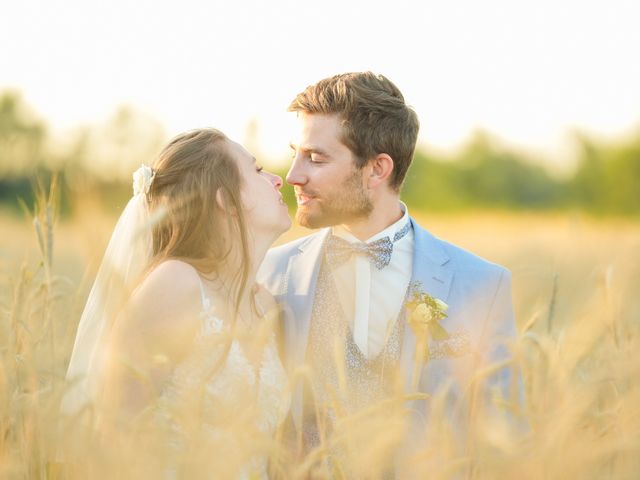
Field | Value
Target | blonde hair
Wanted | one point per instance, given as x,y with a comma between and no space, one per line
190,172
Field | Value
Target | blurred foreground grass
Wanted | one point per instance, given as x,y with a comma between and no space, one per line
577,297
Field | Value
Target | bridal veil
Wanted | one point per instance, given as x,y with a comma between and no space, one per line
127,255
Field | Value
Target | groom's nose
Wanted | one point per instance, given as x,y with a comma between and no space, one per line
296,174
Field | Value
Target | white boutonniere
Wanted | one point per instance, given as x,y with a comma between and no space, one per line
424,315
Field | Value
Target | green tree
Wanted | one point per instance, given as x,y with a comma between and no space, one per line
607,179
22,136
480,175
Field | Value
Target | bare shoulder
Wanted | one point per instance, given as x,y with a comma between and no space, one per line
163,311
174,274
172,285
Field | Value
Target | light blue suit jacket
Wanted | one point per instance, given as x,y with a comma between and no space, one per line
478,294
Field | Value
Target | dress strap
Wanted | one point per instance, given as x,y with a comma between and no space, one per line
206,303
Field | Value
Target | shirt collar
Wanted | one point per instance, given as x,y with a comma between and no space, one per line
390,231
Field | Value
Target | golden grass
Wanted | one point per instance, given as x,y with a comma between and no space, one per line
578,309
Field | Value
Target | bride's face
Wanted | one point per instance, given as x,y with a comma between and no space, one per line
264,208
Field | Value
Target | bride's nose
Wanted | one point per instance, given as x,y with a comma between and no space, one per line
276,180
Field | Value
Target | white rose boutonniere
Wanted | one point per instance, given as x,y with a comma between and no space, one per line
425,313
142,179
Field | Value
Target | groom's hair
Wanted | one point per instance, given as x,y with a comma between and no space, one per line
375,118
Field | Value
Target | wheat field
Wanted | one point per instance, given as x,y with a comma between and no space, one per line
577,298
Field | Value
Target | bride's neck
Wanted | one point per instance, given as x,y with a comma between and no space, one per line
227,278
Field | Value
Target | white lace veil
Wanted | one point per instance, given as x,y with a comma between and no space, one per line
128,254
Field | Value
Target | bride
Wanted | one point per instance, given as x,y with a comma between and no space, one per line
175,359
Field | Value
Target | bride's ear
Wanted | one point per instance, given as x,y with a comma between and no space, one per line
220,200
223,204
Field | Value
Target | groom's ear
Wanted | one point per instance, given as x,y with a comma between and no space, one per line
379,169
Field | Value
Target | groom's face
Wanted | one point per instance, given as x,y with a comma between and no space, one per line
330,189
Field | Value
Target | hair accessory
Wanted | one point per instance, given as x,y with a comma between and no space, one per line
143,179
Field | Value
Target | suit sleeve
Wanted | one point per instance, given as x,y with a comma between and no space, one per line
499,333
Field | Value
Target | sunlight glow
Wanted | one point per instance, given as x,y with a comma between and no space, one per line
528,72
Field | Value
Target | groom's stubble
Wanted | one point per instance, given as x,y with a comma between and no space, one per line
345,203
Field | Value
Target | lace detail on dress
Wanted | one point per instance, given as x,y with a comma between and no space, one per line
236,402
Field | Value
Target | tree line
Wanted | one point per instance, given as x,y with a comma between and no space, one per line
483,174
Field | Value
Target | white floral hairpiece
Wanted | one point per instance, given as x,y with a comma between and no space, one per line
143,179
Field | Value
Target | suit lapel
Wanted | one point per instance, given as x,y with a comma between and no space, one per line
430,268
300,287
432,272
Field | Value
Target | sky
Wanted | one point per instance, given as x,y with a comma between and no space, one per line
529,72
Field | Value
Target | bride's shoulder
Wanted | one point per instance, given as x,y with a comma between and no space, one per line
173,266
172,282
167,303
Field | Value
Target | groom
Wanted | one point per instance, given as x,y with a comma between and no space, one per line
350,280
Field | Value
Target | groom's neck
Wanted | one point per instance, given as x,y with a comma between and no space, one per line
385,212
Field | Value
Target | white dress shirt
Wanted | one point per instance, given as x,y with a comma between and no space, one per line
371,298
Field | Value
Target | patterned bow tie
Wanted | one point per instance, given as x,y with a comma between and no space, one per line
338,250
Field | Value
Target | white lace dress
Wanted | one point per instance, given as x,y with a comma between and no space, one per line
222,412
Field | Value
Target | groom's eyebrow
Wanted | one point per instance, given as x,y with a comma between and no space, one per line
309,149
